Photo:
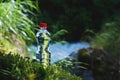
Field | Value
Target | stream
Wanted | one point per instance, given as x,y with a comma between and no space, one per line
59,50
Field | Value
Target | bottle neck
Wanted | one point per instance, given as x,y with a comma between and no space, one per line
43,28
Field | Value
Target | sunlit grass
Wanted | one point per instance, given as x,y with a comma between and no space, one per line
16,25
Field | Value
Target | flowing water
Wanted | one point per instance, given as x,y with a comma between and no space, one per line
60,51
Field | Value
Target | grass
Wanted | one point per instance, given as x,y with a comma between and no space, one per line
15,67
16,25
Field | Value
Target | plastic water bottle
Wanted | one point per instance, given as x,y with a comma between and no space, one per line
43,40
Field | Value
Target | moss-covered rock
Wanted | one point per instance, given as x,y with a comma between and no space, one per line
13,44
103,66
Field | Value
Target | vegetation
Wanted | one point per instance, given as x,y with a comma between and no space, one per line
106,49
16,26
15,67
78,16
55,72
97,21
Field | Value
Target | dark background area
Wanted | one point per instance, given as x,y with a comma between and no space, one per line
78,16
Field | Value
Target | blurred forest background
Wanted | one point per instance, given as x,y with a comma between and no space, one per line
93,21
79,17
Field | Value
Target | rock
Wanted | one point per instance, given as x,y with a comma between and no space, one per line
74,66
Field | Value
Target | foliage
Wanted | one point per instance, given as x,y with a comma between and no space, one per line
15,45
15,18
99,61
15,67
70,65
108,38
58,36
16,25
84,58
55,72
106,49
78,15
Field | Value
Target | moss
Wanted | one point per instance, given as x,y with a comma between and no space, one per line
84,56
13,44
103,66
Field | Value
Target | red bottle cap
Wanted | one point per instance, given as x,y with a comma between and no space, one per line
43,25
